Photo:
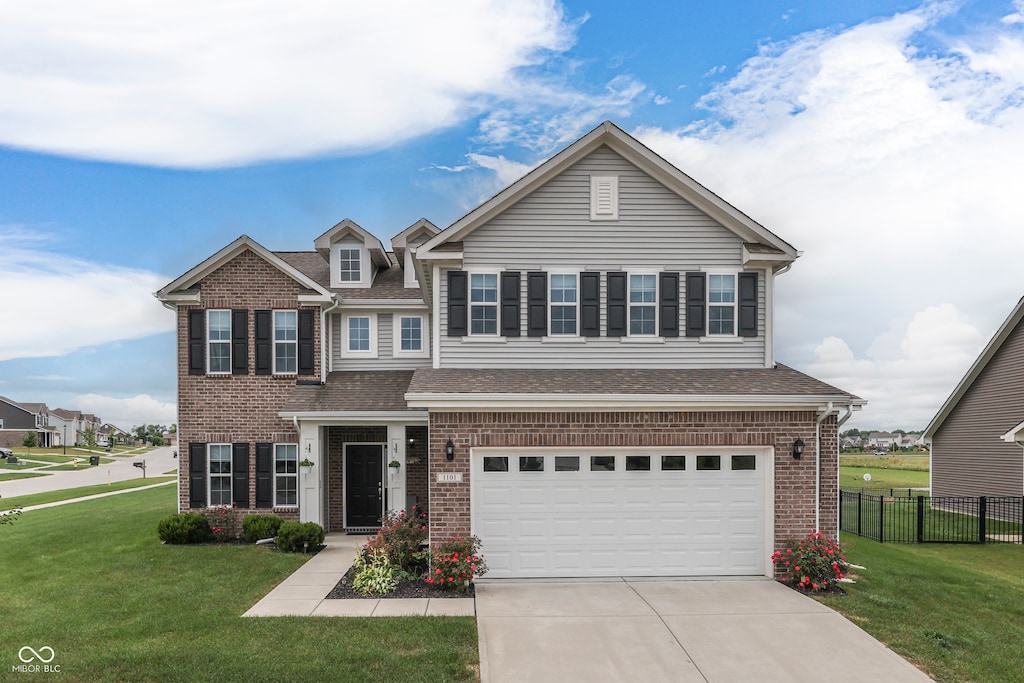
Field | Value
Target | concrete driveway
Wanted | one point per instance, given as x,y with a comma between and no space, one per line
717,631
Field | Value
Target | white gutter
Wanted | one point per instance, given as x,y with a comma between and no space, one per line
822,414
497,401
326,350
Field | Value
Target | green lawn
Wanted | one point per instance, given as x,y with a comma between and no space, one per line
955,611
114,604
78,492
20,475
853,477
47,457
894,462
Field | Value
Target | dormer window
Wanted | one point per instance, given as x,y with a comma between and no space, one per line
349,264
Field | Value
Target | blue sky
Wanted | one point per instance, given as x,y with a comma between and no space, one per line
135,142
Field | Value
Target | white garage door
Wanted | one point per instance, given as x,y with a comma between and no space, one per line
578,513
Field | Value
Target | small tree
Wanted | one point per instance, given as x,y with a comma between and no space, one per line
90,437
31,441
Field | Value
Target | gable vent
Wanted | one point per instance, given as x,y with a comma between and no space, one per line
604,198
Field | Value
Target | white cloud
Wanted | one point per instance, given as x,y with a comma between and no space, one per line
199,84
128,412
64,303
661,100
889,164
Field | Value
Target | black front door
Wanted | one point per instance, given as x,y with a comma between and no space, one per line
364,484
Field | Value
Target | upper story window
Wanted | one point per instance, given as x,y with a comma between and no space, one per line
218,337
643,298
349,264
483,300
359,335
563,304
286,336
721,304
220,473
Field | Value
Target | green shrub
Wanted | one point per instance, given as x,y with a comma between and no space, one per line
257,527
298,537
814,563
374,575
400,538
455,563
184,528
225,522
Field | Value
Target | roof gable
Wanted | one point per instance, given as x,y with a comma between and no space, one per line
349,228
1004,332
176,290
420,228
610,135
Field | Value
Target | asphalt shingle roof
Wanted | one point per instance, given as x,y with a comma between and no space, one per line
388,284
369,390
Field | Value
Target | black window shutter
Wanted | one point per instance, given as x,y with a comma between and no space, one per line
510,304
668,302
536,304
696,304
264,346
197,342
306,355
264,475
239,342
617,304
458,305
748,305
240,474
590,304
197,475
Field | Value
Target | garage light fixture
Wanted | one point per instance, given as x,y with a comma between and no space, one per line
449,450
798,449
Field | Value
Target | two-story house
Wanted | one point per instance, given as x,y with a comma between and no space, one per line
580,371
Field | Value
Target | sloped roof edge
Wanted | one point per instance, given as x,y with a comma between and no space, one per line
635,152
976,369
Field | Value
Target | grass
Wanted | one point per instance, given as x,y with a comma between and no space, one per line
920,463
83,464
46,457
853,477
78,492
20,475
114,604
953,610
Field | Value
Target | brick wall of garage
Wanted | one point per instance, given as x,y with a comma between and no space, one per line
794,479
238,408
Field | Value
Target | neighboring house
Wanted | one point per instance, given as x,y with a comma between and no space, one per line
976,438
17,420
67,426
107,430
580,371
884,440
852,442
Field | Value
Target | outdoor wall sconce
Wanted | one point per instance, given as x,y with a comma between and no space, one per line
449,450
798,449
412,442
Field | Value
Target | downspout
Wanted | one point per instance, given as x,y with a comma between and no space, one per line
817,464
326,350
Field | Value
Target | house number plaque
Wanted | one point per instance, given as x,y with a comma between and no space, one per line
449,477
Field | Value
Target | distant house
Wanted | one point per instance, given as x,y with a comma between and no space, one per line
884,440
852,442
977,436
67,426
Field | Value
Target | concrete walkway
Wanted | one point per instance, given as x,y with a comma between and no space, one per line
303,594
708,631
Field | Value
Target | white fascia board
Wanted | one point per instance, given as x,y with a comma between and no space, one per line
403,304
442,257
179,297
1015,435
765,260
359,417
314,299
631,401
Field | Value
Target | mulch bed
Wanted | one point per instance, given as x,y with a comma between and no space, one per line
406,589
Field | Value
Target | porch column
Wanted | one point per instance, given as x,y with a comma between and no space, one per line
311,483
396,480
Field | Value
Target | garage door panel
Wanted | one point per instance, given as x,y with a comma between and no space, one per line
616,522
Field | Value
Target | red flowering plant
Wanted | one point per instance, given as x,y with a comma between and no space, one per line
814,563
455,564
399,540
225,523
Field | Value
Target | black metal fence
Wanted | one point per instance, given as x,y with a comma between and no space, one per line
919,518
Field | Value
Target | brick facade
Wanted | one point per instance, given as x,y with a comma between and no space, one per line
794,479
238,408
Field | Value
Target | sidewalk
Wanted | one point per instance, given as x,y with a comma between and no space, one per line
303,593
158,461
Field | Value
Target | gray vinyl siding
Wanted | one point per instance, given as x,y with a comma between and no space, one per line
968,456
551,230
385,359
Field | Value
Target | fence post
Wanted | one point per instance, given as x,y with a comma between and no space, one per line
982,513
881,519
920,519
860,497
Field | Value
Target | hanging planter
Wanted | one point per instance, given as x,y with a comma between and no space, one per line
307,465
393,467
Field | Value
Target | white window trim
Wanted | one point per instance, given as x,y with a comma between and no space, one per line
345,351
274,342
735,305
364,265
209,343
1,423
295,476
630,304
497,302
210,475
595,183
396,336
552,304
